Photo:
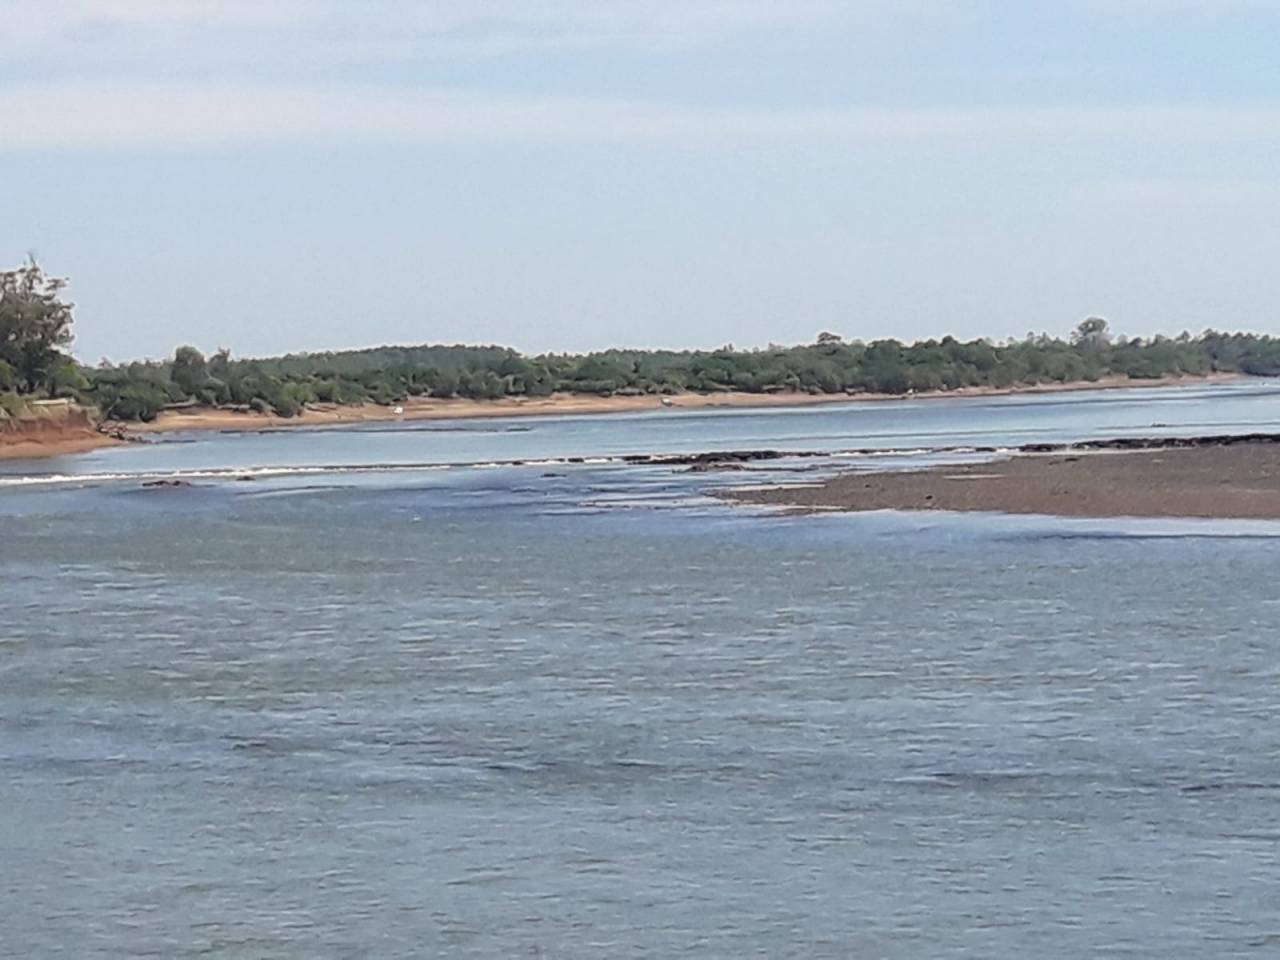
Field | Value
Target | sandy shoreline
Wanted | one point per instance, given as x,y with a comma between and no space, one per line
43,449
200,418
41,439
1222,481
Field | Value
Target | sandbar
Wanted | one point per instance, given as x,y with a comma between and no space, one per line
1232,480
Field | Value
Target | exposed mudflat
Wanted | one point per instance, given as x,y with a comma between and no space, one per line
1236,478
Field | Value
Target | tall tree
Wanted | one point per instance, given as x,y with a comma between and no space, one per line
1093,333
189,370
35,323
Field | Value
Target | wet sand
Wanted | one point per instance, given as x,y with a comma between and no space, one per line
565,404
42,449
1236,480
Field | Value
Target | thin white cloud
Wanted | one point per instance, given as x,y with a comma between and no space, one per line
258,41
239,38
1179,194
1166,7
123,115
316,30
29,27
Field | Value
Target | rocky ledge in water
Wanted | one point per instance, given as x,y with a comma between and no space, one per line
736,459
718,460
722,459
1219,477
1154,443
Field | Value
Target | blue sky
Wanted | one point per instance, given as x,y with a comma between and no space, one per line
309,174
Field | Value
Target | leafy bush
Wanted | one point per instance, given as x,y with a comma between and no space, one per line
134,401
12,406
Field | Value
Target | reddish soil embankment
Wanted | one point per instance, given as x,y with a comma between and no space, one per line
50,432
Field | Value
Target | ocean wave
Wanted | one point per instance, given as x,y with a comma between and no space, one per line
213,473
698,460
656,459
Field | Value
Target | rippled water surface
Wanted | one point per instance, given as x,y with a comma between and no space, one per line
582,711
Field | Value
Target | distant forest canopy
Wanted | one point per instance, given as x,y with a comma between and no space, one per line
35,329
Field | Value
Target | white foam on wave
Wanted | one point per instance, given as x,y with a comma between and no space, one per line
214,473
266,472
888,452
58,478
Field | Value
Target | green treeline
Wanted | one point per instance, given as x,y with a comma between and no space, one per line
35,326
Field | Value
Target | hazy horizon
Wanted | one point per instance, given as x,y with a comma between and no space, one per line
568,177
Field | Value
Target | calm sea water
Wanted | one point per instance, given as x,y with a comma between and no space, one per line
582,711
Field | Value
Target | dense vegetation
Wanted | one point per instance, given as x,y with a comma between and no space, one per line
35,327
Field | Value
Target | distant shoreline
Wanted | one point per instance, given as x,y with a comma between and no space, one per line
45,438
567,404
